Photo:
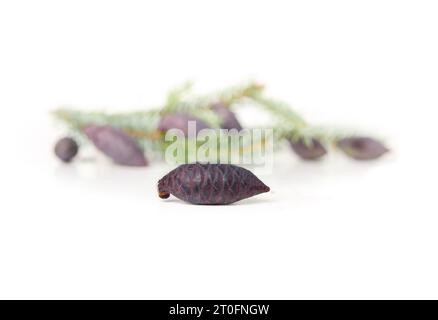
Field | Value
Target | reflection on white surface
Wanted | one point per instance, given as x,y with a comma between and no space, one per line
291,179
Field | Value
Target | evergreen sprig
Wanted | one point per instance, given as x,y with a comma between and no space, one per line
291,125
142,125
180,99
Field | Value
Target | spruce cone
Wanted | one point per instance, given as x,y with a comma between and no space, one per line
362,148
66,149
117,145
179,120
210,184
229,120
312,151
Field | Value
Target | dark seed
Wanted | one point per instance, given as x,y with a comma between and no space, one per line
312,150
229,120
210,184
362,148
179,120
66,149
117,145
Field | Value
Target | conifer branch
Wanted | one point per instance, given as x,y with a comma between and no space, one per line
143,125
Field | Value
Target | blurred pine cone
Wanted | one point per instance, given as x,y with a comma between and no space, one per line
362,148
66,149
229,120
117,145
179,120
312,150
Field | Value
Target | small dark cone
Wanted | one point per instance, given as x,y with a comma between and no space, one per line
66,149
179,120
229,120
362,148
311,151
117,145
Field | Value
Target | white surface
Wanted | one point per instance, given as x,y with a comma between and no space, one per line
336,229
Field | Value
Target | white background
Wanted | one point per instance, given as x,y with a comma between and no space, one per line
334,229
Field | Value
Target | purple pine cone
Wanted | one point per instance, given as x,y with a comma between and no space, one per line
312,151
362,148
229,120
179,120
210,184
66,149
117,145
